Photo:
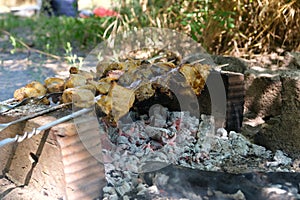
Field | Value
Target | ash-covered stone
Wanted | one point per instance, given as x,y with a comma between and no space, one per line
280,159
239,195
221,132
123,189
158,115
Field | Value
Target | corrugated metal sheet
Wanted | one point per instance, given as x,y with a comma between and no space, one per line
84,174
235,93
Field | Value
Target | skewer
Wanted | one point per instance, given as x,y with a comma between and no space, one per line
6,125
6,107
26,135
36,131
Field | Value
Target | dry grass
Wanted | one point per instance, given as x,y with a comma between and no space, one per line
259,26
264,26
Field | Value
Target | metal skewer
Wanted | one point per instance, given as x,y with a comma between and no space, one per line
5,125
26,135
36,131
6,107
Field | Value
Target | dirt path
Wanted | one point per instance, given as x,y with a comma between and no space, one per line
20,68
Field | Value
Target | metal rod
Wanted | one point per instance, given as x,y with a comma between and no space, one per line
197,61
7,107
26,135
6,141
6,125
65,118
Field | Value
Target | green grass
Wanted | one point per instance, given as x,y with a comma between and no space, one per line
55,35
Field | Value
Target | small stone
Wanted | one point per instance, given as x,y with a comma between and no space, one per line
281,158
239,195
209,192
153,190
239,143
142,190
140,187
113,197
139,153
221,132
282,170
122,140
109,190
122,189
155,132
260,151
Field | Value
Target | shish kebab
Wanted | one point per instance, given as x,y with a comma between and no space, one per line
27,135
36,131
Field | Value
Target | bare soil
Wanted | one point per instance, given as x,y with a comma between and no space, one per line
20,68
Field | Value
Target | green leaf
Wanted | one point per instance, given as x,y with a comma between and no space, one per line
230,25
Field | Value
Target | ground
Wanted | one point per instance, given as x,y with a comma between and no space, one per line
20,68
8,191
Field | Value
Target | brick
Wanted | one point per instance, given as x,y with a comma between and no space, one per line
283,130
7,151
56,161
263,93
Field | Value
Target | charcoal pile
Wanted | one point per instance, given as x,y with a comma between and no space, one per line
152,162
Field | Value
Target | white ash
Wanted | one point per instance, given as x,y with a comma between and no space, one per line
278,191
280,159
221,132
239,195
158,115
148,144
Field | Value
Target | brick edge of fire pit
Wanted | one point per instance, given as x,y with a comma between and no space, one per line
54,163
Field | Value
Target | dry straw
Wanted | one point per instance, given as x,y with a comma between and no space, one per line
259,26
